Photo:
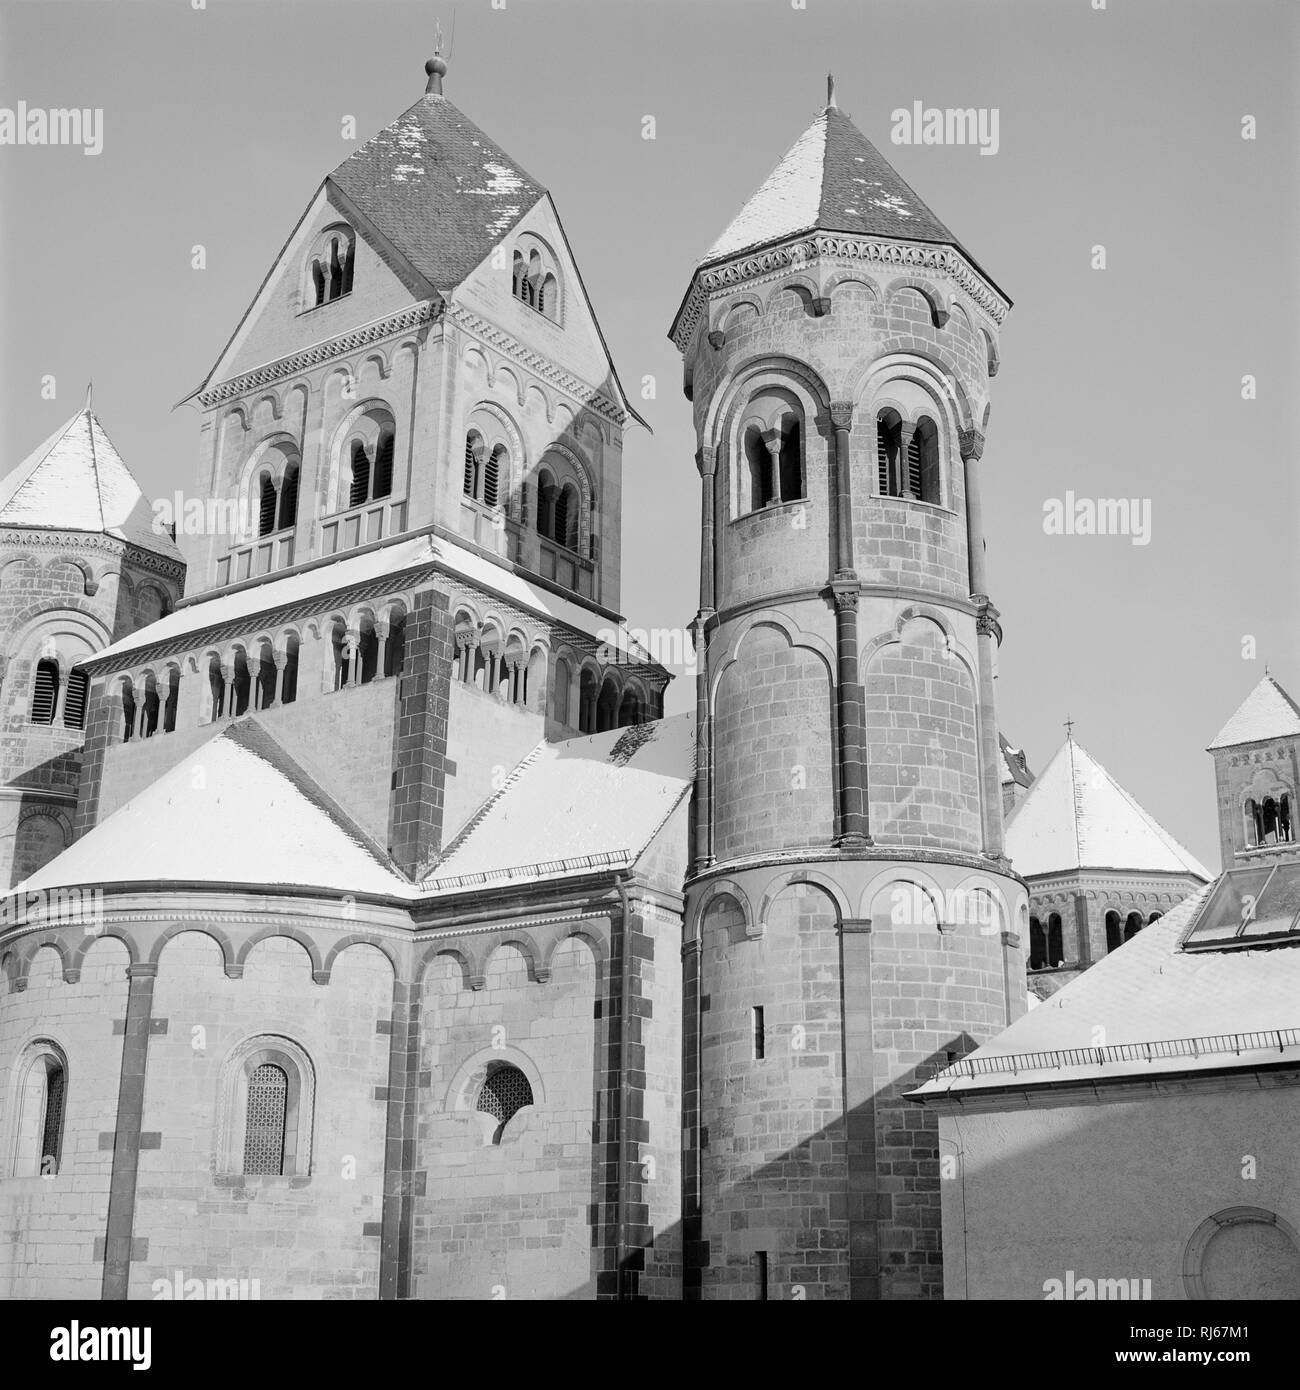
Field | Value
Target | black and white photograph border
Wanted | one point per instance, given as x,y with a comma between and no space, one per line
652,654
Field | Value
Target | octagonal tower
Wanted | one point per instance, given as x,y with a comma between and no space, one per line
852,919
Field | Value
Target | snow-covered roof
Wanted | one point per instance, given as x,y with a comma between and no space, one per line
832,178
439,189
1145,1009
237,810
349,571
1015,765
1267,712
77,481
1076,816
592,802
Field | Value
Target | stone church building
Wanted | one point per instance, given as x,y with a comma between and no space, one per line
392,943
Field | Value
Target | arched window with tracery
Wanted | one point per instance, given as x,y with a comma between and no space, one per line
535,278
330,266
771,463
266,1112
504,1093
366,459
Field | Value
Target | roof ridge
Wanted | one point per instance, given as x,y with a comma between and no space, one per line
476,819
254,737
91,422
1183,853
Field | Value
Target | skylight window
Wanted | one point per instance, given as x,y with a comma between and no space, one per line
1257,905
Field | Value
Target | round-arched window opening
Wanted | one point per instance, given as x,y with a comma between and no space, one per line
1243,1253
504,1093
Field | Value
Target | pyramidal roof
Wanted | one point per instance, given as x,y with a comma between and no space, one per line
439,189
1267,712
1076,816
193,825
832,178
77,481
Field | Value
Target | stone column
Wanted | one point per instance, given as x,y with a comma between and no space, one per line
860,1086
842,419
971,443
905,432
988,630
772,439
851,709
708,464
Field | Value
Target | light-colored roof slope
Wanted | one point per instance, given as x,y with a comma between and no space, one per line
1146,992
237,810
591,802
1076,816
832,178
77,481
1267,712
438,188
350,570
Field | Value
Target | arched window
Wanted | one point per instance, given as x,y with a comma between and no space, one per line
630,711
264,676
923,461
492,475
474,449
1154,917
587,693
1132,925
128,708
547,496
1284,831
264,1125
1254,824
151,709
758,462
367,649
241,684
341,652
535,280
266,1111
560,698
359,484
40,1107
505,1092
74,700
395,646
1037,945
791,459
289,498
548,297
566,517
518,277
45,691
383,478
266,506
216,687
1114,931
173,699
331,265
1055,944
289,678
607,706
889,451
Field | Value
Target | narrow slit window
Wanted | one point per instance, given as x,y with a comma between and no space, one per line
760,1262
760,1035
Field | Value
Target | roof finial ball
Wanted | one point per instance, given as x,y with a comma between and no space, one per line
436,67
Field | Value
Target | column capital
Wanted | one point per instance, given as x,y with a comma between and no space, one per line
845,592
706,459
986,618
842,414
971,444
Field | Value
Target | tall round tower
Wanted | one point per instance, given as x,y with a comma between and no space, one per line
852,920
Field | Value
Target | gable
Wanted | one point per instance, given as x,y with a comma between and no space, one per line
575,343
282,319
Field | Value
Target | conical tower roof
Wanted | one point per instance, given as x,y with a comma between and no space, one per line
77,481
1267,712
1077,816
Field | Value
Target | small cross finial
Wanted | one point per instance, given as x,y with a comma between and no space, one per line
830,90
1069,727
90,389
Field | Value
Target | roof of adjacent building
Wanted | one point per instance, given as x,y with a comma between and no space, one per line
1146,1009
1267,712
591,802
77,481
833,179
238,810
439,189
1077,816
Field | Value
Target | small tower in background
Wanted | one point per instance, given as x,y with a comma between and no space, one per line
1256,772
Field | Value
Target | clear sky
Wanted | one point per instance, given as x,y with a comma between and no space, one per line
1119,127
